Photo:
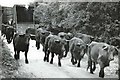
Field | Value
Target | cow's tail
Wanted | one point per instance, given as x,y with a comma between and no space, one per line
89,56
45,47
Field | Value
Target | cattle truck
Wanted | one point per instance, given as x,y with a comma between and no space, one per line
23,17
0,17
7,14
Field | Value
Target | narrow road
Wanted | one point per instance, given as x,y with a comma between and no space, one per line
41,69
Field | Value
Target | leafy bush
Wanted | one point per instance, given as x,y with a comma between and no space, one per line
98,19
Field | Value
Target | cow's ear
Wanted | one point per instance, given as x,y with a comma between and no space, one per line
92,38
105,48
23,34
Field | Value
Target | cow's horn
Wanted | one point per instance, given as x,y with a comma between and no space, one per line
105,48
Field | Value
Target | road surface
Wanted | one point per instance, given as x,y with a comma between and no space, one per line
40,69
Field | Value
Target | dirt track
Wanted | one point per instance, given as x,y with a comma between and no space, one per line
37,68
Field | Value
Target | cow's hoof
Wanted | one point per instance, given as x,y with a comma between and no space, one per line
15,56
101,74
37,48
78,65
73,63
91,72
26,61
43,50
51,62
94,68
59,64
47,60
65,56
44,59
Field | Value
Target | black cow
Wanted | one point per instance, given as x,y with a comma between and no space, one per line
41,34
102,54
21,43
66,37
31,31
115,41
9,33
76,49
54,45
86,38
3,31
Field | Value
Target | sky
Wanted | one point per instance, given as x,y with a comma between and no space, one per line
10,3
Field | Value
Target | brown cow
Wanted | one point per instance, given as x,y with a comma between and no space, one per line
21,43
86,38
76,49
31,31
41,34
54,45
102,54
66,37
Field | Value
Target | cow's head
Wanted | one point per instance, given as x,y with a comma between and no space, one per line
69,36
43,36
62,35
112,51
64,40
60,43
9,34
115,41
80,46
107,54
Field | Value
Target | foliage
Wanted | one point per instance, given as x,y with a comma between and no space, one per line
98,19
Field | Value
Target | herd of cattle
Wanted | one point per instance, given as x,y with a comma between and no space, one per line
77,44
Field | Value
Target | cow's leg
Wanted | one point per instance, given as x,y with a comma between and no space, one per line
59,59
45,55
65,53
94,66
52,56
15,55
72,59
79,63
84,51
18,54
101,73
37,45
90,64
48,56
66,50
59,62
46,52
75,61
26,60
